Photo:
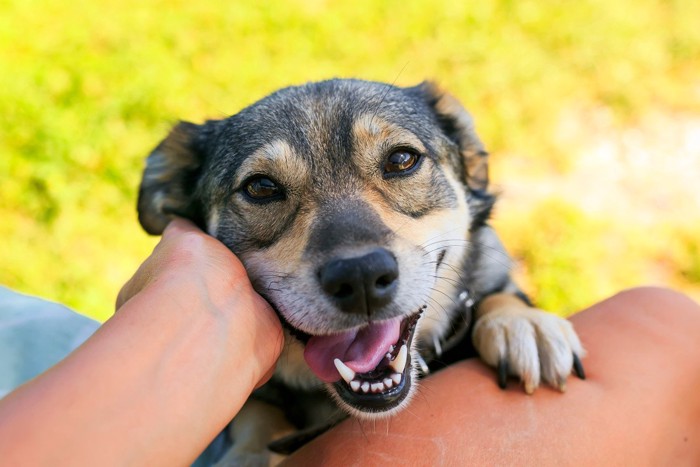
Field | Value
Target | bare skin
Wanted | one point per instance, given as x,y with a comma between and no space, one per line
191,339
159,380
640,403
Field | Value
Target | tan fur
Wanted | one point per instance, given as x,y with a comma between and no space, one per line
374,136
496,301
276,157
254,426
174,156
440,229
160,197
327,147
475,157
292,368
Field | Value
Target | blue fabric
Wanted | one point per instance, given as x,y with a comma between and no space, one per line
36,334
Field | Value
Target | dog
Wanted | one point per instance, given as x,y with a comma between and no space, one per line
360,211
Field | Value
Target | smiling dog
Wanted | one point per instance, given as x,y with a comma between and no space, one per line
360,211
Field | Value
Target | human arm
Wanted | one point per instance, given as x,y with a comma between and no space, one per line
639,405
158,381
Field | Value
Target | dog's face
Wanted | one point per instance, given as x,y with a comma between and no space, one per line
349,203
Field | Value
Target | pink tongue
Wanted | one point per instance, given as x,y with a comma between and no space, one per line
360,349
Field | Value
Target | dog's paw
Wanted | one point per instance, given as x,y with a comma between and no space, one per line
530,344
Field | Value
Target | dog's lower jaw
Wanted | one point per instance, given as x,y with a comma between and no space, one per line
386,389
398,400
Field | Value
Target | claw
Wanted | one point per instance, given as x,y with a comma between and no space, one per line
529,385
578,367
561,385
502,373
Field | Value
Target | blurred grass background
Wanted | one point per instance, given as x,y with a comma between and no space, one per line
591,110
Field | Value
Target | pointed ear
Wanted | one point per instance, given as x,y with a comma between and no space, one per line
458,125
170,178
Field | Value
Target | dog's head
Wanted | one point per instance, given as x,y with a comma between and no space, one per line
349,203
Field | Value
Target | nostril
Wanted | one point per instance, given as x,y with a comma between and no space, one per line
387,280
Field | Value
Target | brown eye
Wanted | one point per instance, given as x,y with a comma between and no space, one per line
401,161
262,189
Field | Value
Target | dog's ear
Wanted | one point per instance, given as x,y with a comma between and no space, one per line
458,126
170,179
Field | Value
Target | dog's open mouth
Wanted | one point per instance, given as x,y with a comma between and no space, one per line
370,366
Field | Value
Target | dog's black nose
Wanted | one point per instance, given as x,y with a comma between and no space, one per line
361,284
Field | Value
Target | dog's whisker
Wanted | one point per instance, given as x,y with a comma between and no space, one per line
346,237
436,276
385,94
427,245
444,234
441,309
447,279
445,246
442,248
457,271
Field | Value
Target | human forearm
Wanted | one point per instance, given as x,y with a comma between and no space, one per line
639,405
156,383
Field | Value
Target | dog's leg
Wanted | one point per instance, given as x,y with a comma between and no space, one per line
526,342
254,427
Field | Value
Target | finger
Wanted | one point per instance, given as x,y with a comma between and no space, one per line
147,270
122,297
179,225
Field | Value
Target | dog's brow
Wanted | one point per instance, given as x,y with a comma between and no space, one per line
377,131
275,158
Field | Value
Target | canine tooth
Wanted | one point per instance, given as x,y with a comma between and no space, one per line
388,383
377,387
355,385
365,387
396,378
399,362
347,373
388,356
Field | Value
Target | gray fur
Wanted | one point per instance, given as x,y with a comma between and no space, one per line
326,145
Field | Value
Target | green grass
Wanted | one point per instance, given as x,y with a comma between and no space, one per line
88,88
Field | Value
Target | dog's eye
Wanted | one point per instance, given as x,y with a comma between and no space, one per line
262,189
400,162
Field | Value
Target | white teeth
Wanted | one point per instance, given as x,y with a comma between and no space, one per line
399,362
376,387
347,373
388,356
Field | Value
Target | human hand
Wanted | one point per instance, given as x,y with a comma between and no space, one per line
192,272
162,377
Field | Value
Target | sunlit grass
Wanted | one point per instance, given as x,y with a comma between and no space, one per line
88,88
